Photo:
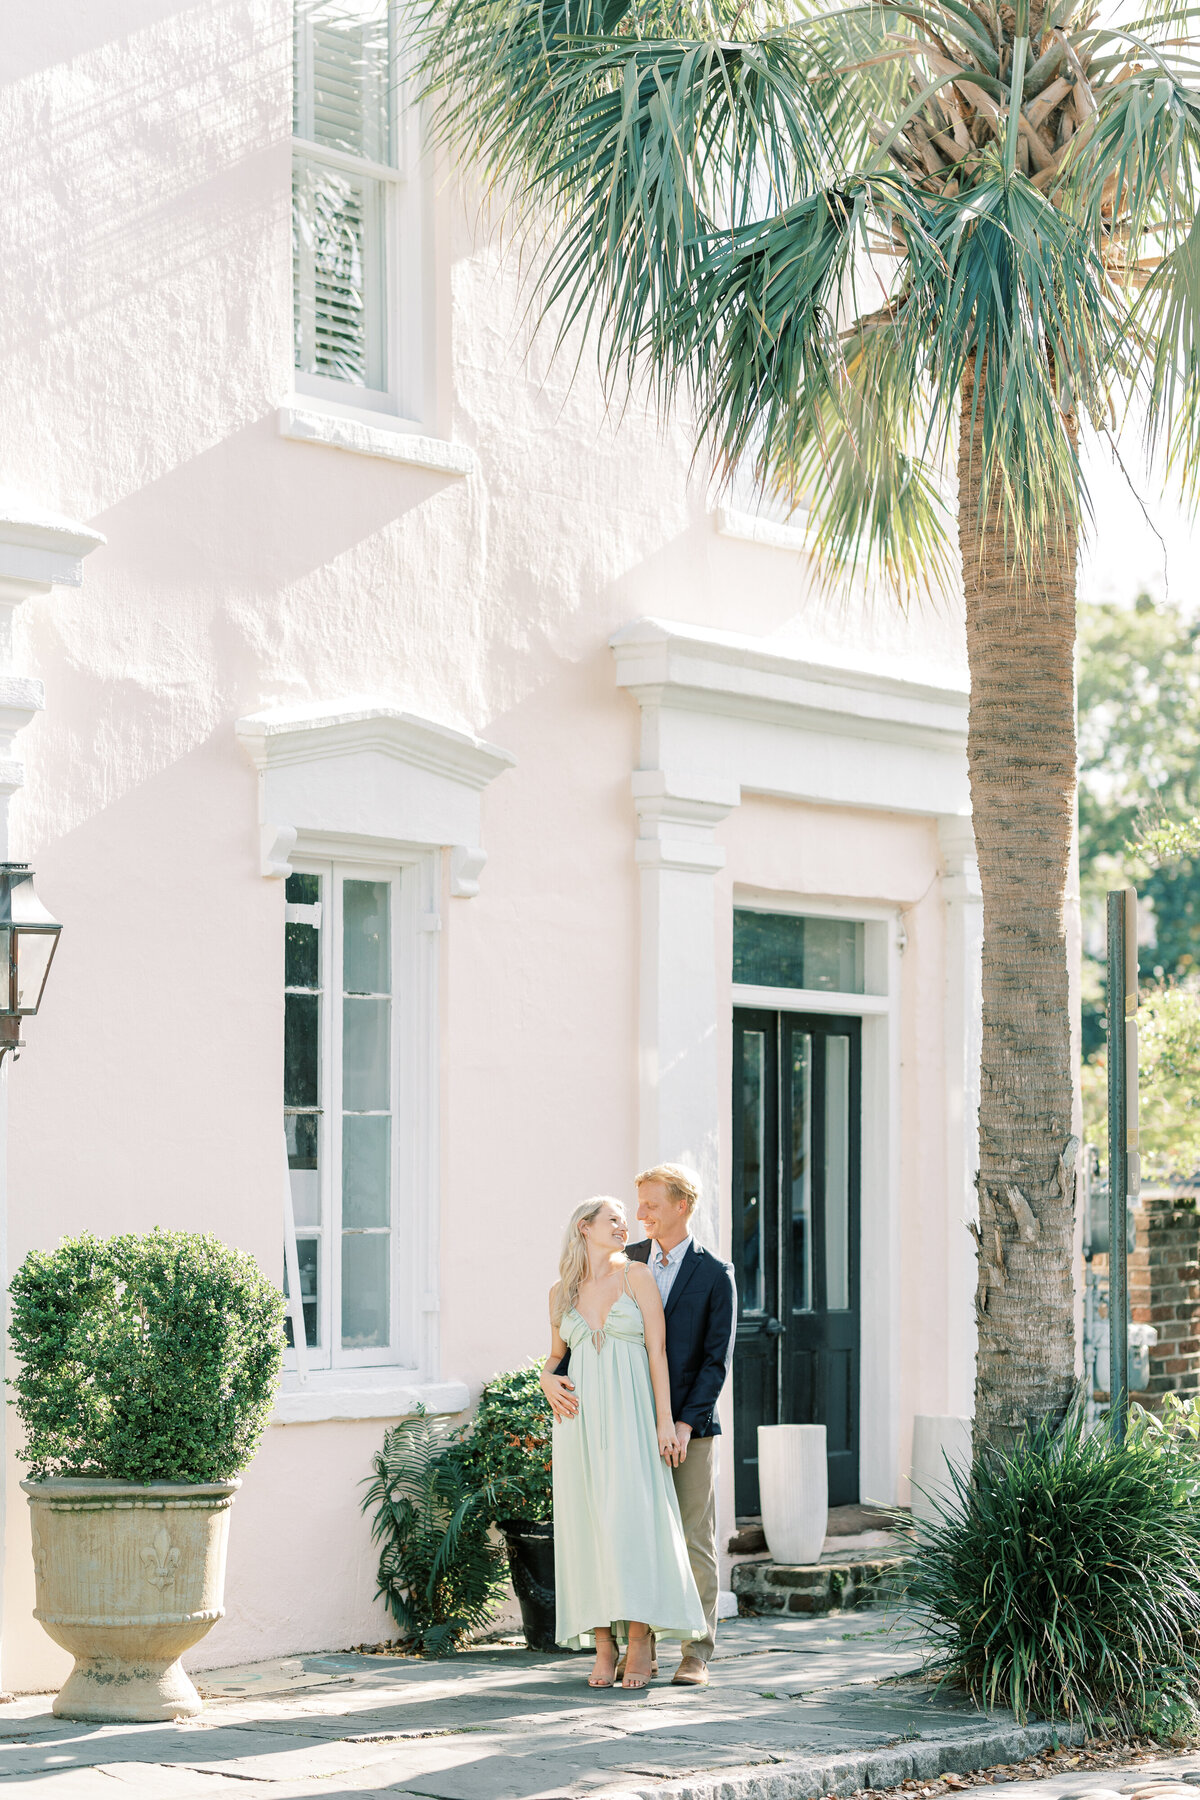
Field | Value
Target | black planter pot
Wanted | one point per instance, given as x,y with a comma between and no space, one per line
531,1562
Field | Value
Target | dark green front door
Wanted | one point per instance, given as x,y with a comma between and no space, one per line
797,1091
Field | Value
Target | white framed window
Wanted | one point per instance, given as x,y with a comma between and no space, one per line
356,227
357,1035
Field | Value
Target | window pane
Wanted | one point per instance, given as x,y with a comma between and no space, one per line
302,956
366,1152
342,74
366,959
303,1141
801,1171
302,890
837,1173
307,1257
753,1150
337,272
365,1079
790,951
365,1267
301,1021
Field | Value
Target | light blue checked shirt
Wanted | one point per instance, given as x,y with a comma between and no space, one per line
666,1268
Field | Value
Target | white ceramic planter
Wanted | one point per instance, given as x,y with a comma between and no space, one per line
128,1578
941,1442
793,1481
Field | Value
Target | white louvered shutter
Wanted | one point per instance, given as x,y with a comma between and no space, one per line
341,107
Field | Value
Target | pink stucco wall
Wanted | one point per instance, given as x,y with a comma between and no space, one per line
146,346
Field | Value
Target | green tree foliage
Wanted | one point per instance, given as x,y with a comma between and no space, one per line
440,1573
1168,1085
1139,765
1063,1579
144,1359
864,247
508,1447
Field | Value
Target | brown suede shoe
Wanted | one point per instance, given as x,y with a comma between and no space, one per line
690,1673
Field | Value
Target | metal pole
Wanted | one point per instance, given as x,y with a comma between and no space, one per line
1118,1274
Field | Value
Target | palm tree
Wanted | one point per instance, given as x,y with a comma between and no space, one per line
869,247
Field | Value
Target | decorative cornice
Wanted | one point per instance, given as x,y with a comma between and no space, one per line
677,816
40,550
297,750
290,734
691,668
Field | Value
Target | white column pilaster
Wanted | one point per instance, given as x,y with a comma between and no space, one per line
963,1019
38,551
680,1099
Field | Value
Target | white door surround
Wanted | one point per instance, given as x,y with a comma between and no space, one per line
724,715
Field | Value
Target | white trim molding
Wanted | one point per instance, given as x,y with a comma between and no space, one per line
724,715
963,897
367,770
38,551
379,1394
721,705
306,421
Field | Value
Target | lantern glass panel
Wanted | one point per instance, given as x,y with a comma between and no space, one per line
6,984
34,952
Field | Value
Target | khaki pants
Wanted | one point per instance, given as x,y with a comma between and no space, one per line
696,1491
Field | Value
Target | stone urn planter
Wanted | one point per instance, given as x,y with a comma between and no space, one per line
128,1578
146,1370
793,1484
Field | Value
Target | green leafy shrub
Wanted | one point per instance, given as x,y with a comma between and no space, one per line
440,1574
144,1359
1063,1579
507,1447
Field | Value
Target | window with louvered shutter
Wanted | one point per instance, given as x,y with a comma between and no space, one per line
345,183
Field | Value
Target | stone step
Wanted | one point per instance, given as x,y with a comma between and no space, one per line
764,1587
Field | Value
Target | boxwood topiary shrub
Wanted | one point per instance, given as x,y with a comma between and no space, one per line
144,1358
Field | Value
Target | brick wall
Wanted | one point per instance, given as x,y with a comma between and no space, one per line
1164,1291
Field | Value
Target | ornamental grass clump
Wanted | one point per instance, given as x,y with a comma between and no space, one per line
144,1358
1062,1579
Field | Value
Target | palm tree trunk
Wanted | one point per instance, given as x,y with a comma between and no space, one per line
1021,751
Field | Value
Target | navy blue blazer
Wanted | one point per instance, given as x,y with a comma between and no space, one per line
701,1313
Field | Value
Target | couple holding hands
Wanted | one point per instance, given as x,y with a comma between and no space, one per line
640,1346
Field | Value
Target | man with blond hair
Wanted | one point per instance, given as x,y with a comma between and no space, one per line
700,1304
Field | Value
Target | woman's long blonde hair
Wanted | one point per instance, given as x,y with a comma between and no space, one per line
573,1263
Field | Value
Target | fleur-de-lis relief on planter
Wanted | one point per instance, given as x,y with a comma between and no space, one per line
39,1555
161,1559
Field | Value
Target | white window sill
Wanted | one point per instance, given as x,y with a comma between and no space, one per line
306,421
363,1394
753,529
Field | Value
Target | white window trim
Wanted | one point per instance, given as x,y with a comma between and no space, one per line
416,879
403,226
363,780
339,426
371,1394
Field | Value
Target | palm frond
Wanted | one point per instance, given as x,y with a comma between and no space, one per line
1168,317
1016,291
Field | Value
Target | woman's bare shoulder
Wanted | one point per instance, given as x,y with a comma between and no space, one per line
640,1278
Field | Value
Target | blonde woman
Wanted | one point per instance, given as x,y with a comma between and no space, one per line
620,1562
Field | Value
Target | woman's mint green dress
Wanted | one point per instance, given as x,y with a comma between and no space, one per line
619,1550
